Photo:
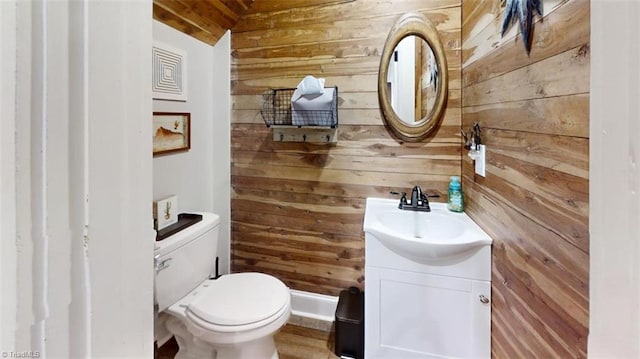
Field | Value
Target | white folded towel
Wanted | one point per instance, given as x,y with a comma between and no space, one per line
309,86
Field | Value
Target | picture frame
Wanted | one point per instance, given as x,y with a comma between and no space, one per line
165,212
171,132
169,75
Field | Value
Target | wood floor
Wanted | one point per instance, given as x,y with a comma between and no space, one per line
292,342
295,342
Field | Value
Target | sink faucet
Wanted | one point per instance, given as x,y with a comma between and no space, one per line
416,197
419,201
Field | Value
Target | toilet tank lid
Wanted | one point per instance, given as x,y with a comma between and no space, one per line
179,239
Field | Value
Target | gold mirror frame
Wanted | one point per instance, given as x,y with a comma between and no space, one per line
418,25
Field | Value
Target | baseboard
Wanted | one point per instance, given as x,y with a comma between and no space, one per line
313,310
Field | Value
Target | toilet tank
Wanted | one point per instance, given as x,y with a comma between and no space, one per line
185,260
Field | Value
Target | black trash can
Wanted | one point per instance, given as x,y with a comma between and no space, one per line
350,324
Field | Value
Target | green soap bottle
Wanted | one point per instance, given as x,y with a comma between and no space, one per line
456,200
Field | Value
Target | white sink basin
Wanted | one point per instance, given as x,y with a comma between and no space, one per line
423,237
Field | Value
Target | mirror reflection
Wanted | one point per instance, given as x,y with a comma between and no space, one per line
412,79
413,120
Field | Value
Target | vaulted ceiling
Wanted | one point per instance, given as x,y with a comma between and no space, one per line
206,20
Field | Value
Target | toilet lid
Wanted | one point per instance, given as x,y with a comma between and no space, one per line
240,298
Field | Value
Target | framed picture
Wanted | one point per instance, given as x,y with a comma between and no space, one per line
165,212
171,132
169,76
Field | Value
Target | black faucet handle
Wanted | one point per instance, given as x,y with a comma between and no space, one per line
402,194
432,195
426,196
403,198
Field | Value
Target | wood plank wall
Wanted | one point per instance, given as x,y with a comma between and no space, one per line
297,208
534,113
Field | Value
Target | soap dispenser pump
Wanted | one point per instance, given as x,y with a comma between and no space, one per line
456,200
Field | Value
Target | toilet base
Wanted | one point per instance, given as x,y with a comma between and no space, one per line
191,347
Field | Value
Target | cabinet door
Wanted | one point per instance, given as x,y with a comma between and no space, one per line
414,315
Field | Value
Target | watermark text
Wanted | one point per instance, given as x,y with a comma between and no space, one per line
25,354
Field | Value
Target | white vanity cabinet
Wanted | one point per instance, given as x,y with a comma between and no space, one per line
426,309
416,315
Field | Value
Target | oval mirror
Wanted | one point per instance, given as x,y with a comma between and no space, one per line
413,79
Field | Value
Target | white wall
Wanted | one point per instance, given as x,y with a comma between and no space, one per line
7,174
77,253
221,142
614,180
188,174
119,160
200,177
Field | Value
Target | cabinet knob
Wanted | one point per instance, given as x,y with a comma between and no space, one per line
484,299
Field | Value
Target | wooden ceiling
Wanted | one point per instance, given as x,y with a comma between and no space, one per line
206,20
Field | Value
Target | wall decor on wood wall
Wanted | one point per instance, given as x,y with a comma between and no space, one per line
171,132
169,73
523,10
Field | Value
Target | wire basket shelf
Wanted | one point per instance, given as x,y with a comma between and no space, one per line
277,110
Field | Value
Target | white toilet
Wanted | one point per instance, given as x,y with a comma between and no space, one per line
234,316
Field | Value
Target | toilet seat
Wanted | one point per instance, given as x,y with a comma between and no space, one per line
204,325
239,302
